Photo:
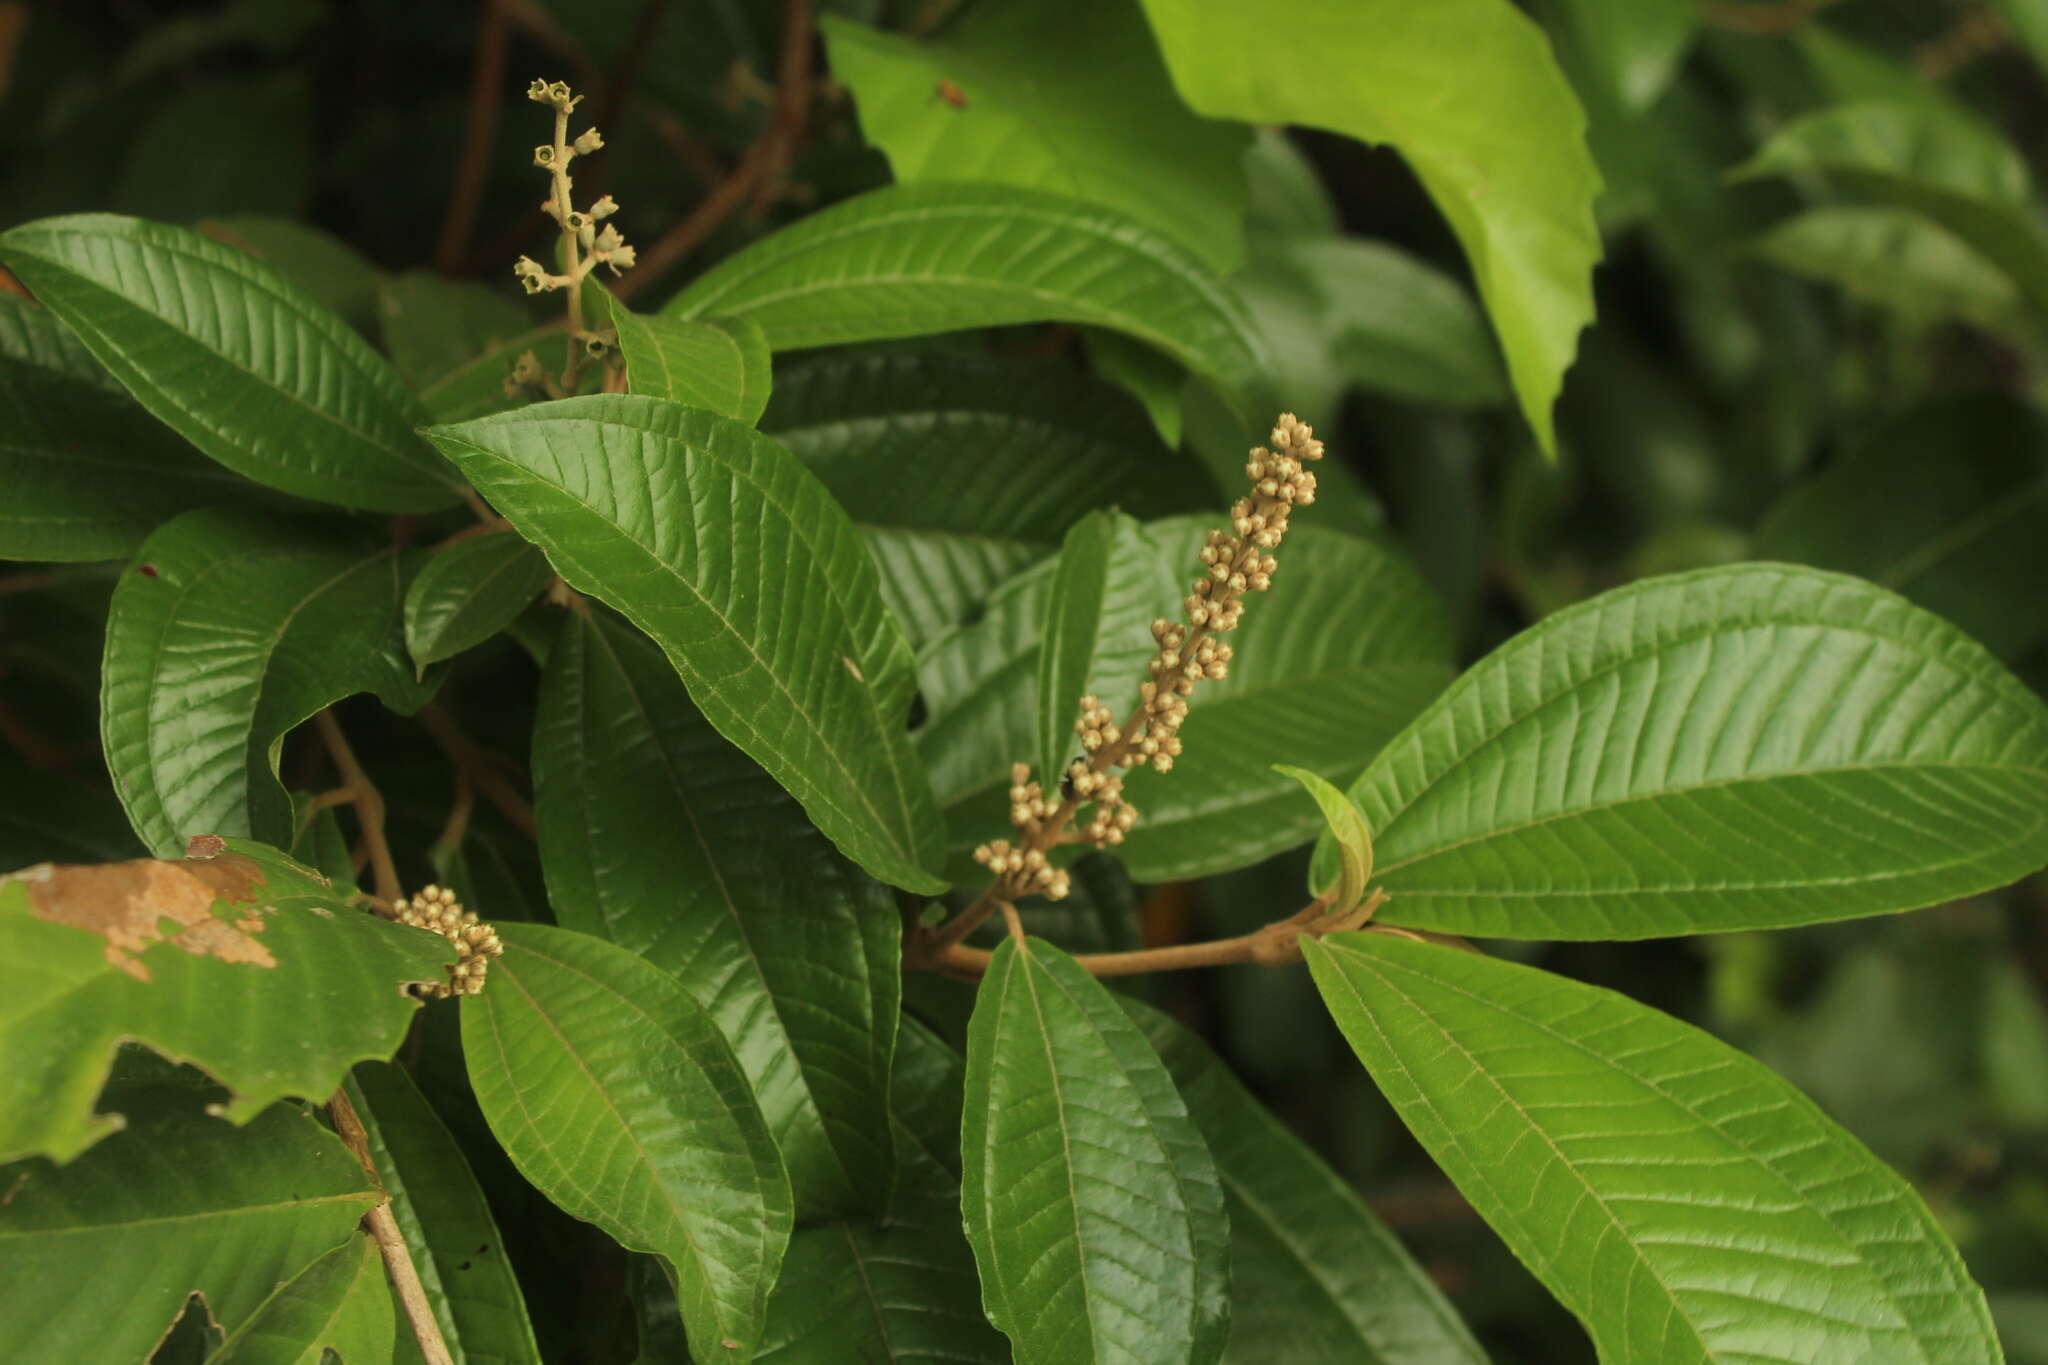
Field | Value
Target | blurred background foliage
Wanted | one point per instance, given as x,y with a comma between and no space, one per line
1820,338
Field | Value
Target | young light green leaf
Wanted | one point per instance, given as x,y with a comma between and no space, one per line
1511,172
914,259
716,542
177,1204
1349,835
1060,95
1091,1202
337,276
226,632
719,364
1748,747
1681,1199
455,1244
1896,260
469,592
243,963
616,1095
659,835
1313,1274
432,326
232,357
340,1305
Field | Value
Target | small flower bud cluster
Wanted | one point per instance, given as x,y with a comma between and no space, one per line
437,909
596,246
1025,871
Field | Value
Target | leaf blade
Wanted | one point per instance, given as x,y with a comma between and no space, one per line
469,592
718,364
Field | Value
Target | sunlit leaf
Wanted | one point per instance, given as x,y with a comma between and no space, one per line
718,364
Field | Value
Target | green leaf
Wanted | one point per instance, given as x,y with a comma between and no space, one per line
1092,1205
925,1089
934,581
718,364
226,633
88,473
448,1228
469,592
339,1305
1509,170
432,326
177,1204
975,445
1961,176
476,388
232,357
616,1095
660,836
1314,1275
32,334
1683,1200
1943,505
1748,747
914,259
715,541
1056,95
1352,840
334,273
1635,46
243,963
1895,260
2029,20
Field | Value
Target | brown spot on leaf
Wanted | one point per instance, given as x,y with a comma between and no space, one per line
146,570
205,846
853,668
137,904
952,94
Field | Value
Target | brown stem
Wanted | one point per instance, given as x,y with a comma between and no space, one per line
480,764
1782,17
486,90
457,825
686,236
792,97
382,1226
369,804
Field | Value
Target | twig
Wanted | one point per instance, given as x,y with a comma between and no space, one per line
686,236
1784,16
479,763
792,98
457,824
383,1229
369,804
486,93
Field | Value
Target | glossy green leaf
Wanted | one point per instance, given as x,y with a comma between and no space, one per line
1091,1202
431,325
1057,95
1952,171
1510,171
88,473
717,543
455,1244
616,1095
1895,260
1347,834
235,359
1746,747
32,335
334,273
916,259
225,633
1944,505
660,836
1681,1199
340,1305
719,364
469,592
175,1205
1313,1275
925,1089
935,581
244,964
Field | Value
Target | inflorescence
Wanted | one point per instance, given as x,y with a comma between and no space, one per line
1234,562
436,908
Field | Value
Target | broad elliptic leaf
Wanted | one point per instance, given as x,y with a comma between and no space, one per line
1468,92
469,592
659,835
235,359
1738,748
715,541
88,473
719,364
227,631
340,1305
32,335
1896,260
431,325
1960,175
1314,1275
616,1095
334,273
1093,1206
1059,95
1347,834
1683,1200
935,581
1944,505
910,260
237,960
455,1245
178,1204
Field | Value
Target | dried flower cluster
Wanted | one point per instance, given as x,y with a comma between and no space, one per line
436,908
1234,562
